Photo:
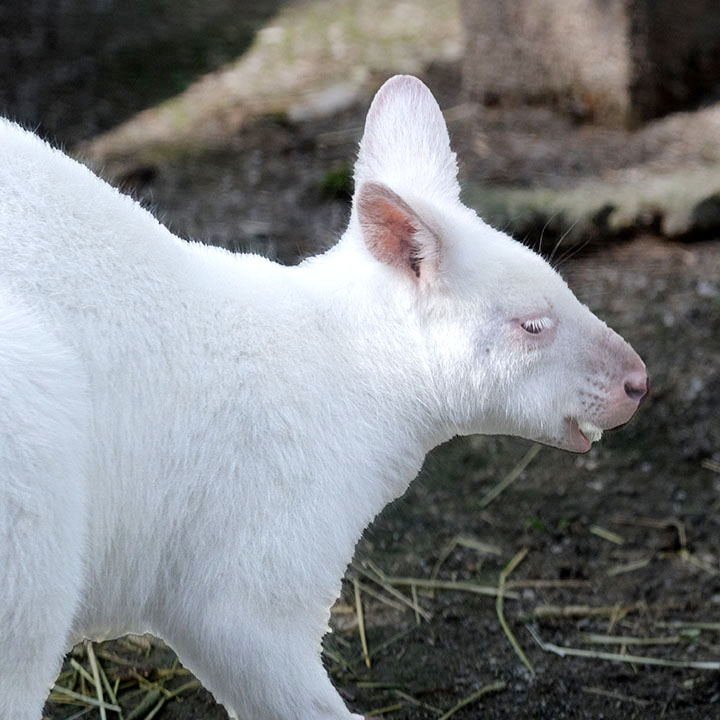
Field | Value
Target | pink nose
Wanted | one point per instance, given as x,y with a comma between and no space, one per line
637,385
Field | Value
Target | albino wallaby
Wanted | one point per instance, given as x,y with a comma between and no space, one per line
192,442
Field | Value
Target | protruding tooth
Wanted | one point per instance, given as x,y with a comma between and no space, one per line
592,432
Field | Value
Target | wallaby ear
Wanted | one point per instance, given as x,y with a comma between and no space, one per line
405,143
394,233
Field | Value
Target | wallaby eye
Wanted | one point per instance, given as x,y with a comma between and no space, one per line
535,326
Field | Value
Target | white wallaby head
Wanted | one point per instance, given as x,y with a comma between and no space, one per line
506,346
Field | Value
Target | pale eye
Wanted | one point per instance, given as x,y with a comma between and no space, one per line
535,326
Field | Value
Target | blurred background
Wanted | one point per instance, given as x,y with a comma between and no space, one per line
588,129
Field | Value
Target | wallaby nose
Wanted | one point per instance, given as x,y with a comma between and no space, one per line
637,385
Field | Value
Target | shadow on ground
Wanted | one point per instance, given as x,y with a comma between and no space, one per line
77,68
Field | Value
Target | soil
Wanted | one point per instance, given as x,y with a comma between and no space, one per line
628,534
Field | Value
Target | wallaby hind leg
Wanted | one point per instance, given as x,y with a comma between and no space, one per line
43,413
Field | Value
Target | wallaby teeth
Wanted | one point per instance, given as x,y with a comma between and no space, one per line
592,432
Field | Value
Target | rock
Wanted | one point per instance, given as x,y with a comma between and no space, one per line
615,61
681,204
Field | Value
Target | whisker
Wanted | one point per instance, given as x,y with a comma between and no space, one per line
544,228
562,237
570,253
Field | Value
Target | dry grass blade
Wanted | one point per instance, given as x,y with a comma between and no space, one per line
616,696
77,666
593,639
361,622
444,555
374,568
84,699
694,560
541,583
108,688
690,625
148,702
640,521
607,535
510,478
473,544
342,609
139,642
621,658
574,611
614,619
461,541
96,676
499,608
629,567
191,685
459,586
493,687
679,525
379,578
114,657
417,703
338,659
413,592
381,598
158,707
711,465
685,554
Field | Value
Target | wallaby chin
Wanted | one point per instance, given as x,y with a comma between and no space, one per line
143,377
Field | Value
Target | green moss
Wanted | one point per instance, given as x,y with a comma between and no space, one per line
534,523
337,183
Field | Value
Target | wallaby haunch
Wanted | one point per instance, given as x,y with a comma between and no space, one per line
192,442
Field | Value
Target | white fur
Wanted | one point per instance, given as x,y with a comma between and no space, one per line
191,441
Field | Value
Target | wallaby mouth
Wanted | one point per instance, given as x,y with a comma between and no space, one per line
591,432
580,434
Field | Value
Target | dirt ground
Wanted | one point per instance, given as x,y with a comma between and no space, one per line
623,541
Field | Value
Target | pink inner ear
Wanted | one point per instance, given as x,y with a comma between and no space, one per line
390,228
391,240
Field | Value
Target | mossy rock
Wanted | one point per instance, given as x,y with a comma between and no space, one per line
684,204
